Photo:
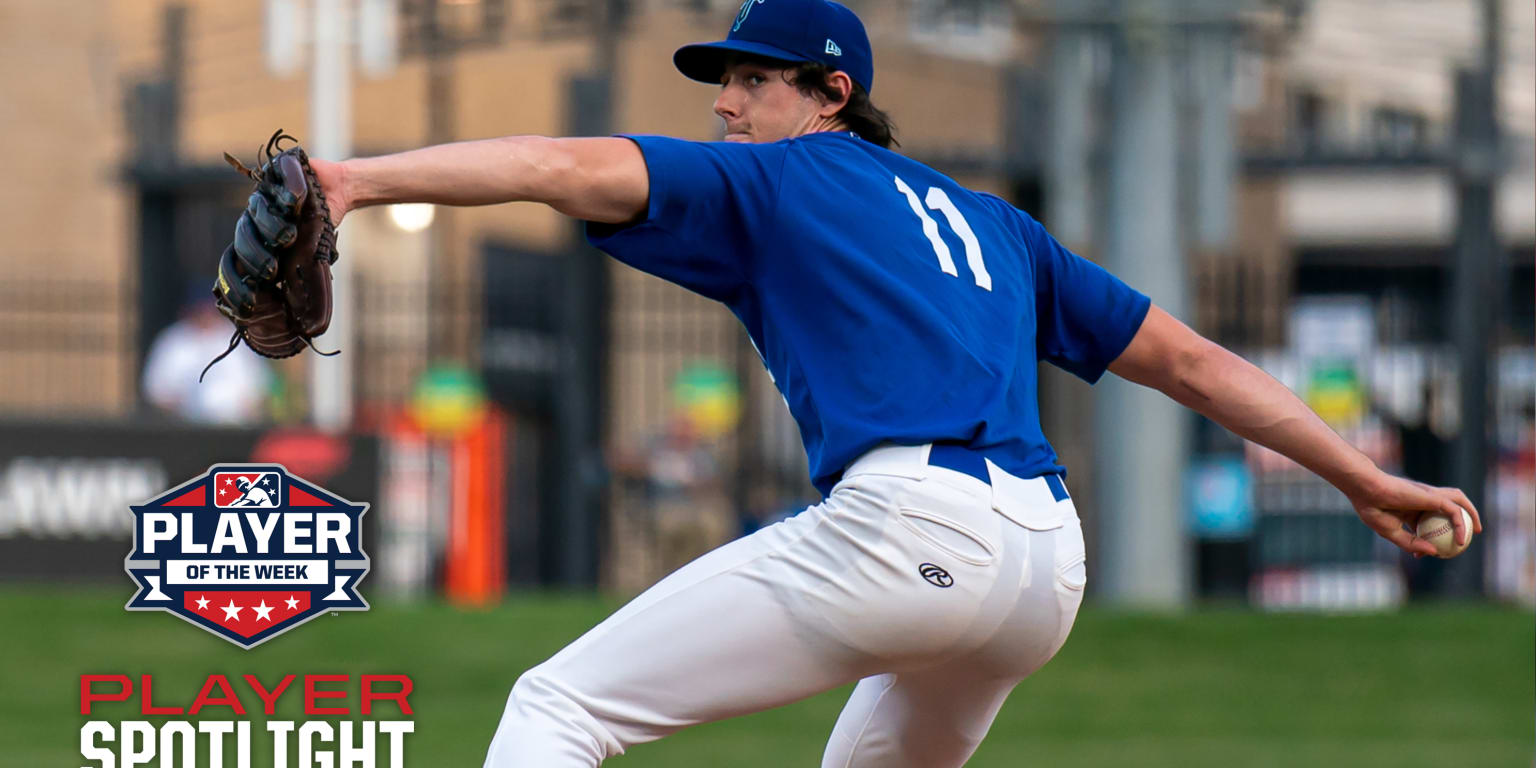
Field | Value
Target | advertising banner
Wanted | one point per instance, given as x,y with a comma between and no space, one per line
66,489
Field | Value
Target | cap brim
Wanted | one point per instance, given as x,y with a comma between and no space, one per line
705,62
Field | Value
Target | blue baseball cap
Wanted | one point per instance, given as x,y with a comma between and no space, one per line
789,31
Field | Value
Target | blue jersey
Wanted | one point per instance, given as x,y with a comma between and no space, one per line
889,303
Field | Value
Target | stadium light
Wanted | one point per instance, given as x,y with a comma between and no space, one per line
412,217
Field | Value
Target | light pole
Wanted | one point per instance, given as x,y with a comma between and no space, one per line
330,137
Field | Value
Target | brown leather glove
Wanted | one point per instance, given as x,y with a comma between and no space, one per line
274,280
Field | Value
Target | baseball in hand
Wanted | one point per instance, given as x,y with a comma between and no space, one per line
1437,530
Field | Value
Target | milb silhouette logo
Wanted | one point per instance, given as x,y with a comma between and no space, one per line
246,489
247,552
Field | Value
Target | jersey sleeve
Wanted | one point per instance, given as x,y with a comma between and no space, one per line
1084,316
711,204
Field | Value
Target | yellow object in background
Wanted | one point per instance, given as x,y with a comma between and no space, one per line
709,399
1336,393
447,401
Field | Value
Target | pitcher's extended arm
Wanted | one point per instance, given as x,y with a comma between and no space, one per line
1202,375
596,179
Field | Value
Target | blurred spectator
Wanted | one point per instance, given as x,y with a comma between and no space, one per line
1426,456
686,495
233,392
686,510
1425,442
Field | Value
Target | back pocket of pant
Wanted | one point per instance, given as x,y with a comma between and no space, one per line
1072,573
949,537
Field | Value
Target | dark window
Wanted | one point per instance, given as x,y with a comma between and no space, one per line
1397,131
1310,121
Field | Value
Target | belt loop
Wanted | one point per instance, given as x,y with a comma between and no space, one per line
924,454
1058,489
1034,503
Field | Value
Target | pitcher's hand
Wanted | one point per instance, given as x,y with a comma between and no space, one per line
1388,503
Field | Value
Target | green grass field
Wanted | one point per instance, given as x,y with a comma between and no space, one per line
1444,686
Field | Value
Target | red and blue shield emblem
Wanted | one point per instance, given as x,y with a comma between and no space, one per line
247,552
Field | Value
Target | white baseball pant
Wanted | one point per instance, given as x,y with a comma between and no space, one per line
844,591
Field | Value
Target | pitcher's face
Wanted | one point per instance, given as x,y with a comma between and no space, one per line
760,105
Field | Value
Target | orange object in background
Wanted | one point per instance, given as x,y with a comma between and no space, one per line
475,568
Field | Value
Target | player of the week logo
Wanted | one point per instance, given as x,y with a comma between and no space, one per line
247,552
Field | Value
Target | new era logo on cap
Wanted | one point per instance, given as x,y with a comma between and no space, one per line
833,49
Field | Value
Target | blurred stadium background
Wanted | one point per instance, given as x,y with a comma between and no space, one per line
1343,191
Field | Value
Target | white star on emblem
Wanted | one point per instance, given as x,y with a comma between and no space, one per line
266,480
223,491
293,603
202,602
227,481
231,611
263,611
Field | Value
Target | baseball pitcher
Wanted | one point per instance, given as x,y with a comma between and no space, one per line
902,316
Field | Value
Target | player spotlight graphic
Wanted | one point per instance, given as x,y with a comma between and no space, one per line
247,552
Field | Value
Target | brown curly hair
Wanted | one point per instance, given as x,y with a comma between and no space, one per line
870,122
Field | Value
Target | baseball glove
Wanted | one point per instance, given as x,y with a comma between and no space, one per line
274,280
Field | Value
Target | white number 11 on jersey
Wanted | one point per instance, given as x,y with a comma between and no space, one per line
939,201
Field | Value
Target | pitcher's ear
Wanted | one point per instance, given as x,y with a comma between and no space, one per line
843,85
